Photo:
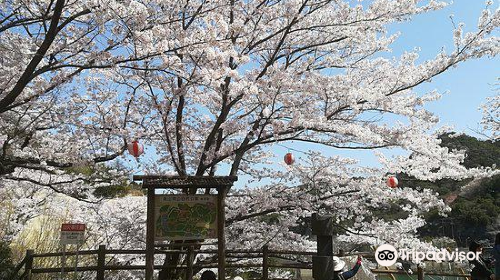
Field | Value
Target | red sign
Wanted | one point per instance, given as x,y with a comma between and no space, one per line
73,227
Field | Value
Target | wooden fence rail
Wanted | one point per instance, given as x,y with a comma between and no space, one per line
26,265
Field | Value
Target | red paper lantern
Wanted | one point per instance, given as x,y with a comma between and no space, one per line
135,148
289,159
392,182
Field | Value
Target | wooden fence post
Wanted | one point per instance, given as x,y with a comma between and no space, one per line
29,263
101,262
420,273
150,234
189,262
221,237
265,262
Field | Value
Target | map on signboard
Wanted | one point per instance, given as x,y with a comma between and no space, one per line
185,217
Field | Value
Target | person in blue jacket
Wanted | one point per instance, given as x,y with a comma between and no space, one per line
338,266
496,256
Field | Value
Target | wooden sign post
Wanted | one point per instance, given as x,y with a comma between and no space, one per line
150,234
189,185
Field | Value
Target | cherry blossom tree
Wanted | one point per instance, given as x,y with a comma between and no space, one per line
210,87
46,46
491,117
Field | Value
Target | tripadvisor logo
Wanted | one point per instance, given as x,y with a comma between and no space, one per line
387,255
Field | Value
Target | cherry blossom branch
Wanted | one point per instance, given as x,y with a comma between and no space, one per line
37,58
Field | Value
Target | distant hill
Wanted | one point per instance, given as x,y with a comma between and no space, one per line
475,204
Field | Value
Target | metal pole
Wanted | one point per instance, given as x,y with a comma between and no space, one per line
63,261
76,262
150,234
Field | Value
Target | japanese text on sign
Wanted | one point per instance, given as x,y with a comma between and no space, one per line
72,233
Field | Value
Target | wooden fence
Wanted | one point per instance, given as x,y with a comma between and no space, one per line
25,269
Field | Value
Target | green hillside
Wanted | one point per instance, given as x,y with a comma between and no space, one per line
475,210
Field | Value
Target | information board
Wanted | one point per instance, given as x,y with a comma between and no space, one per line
72,234
185,217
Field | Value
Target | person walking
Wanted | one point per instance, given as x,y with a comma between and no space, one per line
339,265
496,256
480,270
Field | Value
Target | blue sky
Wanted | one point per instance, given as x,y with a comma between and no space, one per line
471,82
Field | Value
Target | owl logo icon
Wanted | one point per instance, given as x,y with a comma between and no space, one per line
386,255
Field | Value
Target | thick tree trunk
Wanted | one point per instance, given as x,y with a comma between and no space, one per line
175,259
